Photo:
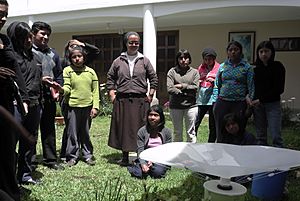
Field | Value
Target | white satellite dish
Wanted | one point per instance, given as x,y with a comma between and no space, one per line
223,160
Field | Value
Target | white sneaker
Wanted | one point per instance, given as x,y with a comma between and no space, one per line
193,138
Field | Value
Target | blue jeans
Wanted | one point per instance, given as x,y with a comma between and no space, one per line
267,116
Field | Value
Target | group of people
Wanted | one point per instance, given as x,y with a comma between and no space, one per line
33,80
227,91
32,72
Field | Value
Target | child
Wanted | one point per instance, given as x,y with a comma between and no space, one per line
153,134
81,86
233,131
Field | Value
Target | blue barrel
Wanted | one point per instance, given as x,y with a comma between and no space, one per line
269,185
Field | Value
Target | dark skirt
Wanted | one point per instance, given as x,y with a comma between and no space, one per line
129,115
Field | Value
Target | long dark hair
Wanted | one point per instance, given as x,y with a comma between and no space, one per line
18,33
265,44
183,53
159,110
230,118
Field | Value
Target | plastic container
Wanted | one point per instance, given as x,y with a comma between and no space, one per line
269,185
213,193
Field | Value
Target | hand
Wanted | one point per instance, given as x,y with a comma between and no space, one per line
25,107
74,42
47,80
112,95
248,100
209,79
178,86
6,73
93,113
255,102
145,168
149,98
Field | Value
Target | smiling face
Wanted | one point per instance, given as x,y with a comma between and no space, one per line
133,44
77,58
3,14
41,38
153,119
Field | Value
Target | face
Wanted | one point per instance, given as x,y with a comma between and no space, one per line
77,58
3,15
234,52
133,44
28,41
264,55
153,118
183,61
41,38
232,128
209,60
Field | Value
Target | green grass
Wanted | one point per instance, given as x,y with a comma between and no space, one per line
108,181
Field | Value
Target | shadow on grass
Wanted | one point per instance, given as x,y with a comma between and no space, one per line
113,158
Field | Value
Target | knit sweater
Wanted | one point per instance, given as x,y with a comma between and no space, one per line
233,83
189,79
81,86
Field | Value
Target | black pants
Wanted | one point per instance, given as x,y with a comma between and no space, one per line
8,181
26,150
202,110
48,135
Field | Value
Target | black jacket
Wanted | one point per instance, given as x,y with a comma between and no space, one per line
269,81
8,60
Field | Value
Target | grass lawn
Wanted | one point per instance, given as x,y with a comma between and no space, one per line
108,181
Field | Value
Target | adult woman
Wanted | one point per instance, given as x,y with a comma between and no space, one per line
269,85
21,37
182,85
153,134
234,81
127,85
207,71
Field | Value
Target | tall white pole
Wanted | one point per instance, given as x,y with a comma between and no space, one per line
149,38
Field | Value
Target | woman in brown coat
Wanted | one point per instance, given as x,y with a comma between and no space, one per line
127,85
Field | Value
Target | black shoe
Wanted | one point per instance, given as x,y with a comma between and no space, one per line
123,163
55,166
31,182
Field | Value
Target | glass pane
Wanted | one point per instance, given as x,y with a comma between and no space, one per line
107,55
160,40
98,42
116,53
161,53
116,42
171,41
107,42
171,53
